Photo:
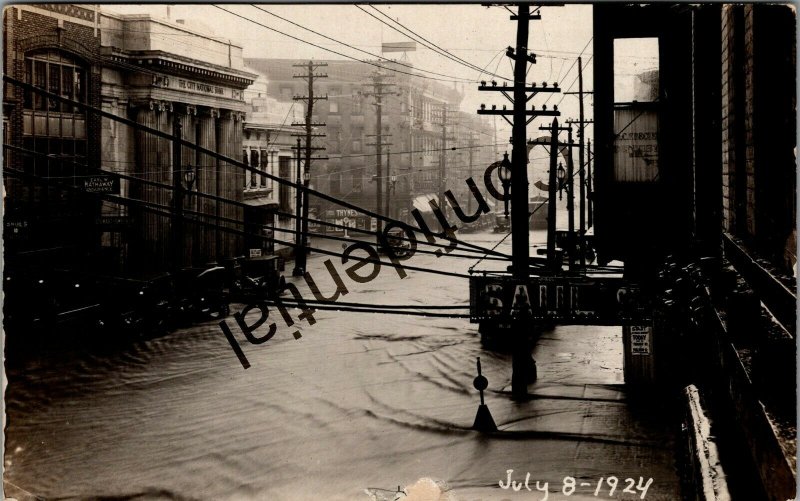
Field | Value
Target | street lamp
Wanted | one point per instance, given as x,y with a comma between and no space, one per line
393,180
504,173
562,175
189,177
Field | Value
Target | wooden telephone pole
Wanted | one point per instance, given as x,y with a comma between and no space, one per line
302,226
379,90
520,242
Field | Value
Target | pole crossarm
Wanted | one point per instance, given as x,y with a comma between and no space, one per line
530,113
509,88
306,98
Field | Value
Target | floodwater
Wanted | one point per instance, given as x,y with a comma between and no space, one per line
359,406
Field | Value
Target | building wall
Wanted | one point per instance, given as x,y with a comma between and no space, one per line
159,73
54,224
758,127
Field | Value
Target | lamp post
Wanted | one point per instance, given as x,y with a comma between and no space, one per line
504,173
299,250
561,174
189,177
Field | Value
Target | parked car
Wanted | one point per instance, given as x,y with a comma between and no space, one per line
397,240
502,223
140,306
260,277
201,294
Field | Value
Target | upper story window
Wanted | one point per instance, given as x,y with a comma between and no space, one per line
57,73
333,99
636,110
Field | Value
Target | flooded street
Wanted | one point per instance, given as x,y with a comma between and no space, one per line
360,403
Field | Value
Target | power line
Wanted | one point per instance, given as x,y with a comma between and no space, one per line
183,142
356,48
439,51
235,203
377,65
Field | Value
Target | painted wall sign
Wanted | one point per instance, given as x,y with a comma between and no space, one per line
635,145
640,339
101,184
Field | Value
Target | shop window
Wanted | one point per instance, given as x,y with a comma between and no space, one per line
284,172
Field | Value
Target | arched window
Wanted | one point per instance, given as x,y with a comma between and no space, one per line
57,73
49,126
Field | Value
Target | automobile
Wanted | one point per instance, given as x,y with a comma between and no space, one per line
259,277
136,306
397,240
201,294
502,224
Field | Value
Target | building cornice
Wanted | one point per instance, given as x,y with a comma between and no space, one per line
161,61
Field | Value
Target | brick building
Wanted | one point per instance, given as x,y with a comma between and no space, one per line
55,47
411,112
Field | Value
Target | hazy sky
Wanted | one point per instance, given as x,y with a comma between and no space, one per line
476,34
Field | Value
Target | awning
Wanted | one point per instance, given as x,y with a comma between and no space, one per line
421,202
266,202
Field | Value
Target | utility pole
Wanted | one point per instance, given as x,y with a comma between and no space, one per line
570,206
471,146
389,186
379,89
554,129
298,236
443,159
177,195
301,251
581,136
521,321
589,179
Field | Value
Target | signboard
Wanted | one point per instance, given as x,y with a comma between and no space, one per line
111,223
635,145
640,339
312,215
398,47
101,184
566,300
255,252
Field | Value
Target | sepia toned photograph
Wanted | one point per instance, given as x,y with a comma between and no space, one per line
399,252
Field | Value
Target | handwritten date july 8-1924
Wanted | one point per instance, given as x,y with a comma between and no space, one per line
606,486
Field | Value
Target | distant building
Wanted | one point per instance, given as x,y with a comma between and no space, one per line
411,123
267,145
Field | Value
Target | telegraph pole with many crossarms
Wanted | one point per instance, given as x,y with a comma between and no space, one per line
302,226
520,242
379,90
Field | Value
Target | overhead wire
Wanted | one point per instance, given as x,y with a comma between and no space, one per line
155,208
424,41
400,63
377,65
233,162
241,205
